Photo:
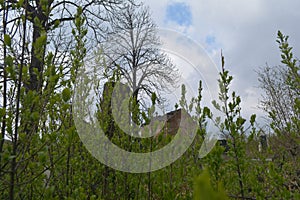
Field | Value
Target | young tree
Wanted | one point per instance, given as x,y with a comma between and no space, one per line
36,74
232,127
282,89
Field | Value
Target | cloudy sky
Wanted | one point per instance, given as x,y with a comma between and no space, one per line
244,30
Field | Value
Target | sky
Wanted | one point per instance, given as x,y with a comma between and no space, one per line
245,31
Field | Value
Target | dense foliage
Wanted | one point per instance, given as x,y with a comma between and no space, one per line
42,156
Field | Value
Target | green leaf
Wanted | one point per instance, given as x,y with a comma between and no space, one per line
9,61
56,23
207,112
203,189
41,40
7,40
20,3
66,94
35,116
216,105
11,71
2,112
252,119
240,121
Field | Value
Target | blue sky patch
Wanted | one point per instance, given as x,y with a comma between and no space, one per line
212,43
179,13
210,40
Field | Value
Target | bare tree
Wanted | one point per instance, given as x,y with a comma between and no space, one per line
50,25
133,47
278,98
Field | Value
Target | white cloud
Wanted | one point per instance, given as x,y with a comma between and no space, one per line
193,64
244,30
